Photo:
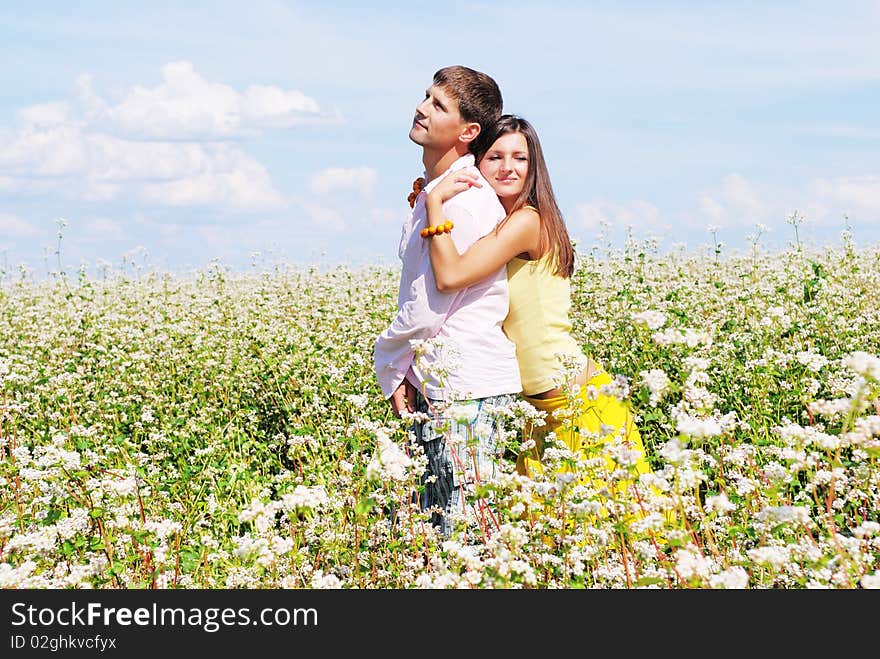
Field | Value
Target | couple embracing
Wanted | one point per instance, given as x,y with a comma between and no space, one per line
484,299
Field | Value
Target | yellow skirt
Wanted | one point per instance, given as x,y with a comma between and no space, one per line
581,430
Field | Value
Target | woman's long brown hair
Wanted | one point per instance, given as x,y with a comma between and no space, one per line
537,191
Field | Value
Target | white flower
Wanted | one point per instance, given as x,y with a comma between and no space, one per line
691,564
786,514
690,337
325,581
358,401
461,412
12,577
162,527
813,361
866,529
302,497
389,461
122,487
657,382
617,388
652,319
735,578
795,219
719,503
831,408
674,451
775,557
696,427
871,581
864,364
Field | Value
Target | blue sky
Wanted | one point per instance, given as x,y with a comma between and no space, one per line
174,133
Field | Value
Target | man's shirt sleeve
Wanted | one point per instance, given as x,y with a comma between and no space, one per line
468,229
424,309
419,318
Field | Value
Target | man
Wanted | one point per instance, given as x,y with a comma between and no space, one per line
447,348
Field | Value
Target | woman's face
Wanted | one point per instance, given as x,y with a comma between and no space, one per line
506,164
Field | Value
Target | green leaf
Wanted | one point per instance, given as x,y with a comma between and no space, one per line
649,581
364,506
189,559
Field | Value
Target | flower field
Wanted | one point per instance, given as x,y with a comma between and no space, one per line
224,430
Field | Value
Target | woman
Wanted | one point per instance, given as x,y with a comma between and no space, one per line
533,242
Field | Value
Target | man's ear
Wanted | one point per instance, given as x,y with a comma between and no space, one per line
470,132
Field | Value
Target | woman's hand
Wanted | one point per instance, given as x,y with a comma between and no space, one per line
455,182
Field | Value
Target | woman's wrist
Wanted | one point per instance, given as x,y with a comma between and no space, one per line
434,208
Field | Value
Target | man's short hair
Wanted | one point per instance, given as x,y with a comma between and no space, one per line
478,95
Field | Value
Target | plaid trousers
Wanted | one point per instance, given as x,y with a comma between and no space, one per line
462,452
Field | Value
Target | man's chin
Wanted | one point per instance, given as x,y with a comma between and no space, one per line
417,135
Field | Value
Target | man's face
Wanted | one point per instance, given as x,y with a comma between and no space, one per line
437,122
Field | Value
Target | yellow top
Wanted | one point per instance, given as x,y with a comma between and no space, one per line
538,322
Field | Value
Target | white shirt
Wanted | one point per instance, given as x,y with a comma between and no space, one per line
474,358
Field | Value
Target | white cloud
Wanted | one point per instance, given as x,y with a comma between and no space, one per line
712,210
45,114
324,217
55,147
11,225
823,201
386,216
230,178
113,159
215,235
167,230
186,106
856,196
97,191
642,214
273,106
260,236
342,198
739,202
166,173
741,195
51,151
103,228
835,130
362,179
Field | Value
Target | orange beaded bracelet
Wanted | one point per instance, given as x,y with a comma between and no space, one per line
446,227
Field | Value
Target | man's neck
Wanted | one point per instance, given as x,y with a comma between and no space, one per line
437,163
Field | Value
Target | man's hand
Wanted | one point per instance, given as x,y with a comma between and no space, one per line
403,399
